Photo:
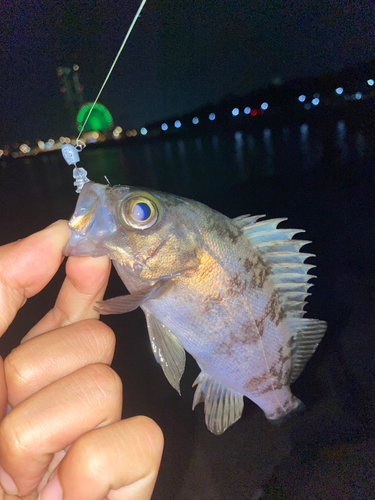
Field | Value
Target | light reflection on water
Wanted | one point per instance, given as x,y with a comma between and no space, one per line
194,166
268,145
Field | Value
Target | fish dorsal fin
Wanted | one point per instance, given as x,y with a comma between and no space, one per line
167,349
127,303
290,278
222,406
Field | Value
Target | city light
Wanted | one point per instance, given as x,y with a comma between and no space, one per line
116,134
309,101
24,148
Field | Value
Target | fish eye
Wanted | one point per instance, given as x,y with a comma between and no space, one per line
139,211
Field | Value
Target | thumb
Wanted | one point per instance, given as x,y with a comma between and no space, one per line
26,266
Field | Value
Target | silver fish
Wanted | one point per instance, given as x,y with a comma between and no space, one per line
231,292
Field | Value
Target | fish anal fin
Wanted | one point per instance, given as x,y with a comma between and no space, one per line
127,303
222,406
167,349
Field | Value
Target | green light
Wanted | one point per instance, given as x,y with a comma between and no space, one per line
99,120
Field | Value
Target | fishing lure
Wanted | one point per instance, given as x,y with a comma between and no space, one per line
71,156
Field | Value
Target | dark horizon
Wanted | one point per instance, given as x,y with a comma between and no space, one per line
282,102
178,58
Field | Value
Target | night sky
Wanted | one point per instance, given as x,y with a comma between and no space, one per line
181,54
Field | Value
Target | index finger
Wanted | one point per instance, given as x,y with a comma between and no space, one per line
26,266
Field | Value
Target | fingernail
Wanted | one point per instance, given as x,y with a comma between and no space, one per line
7,483
52,490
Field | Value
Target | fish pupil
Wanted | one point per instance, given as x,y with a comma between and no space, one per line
141,211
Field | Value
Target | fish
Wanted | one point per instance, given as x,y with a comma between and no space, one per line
231,292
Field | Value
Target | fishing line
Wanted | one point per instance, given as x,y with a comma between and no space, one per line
113,65
71,153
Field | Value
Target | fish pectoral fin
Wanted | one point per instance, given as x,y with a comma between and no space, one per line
127,303
167,349
222,406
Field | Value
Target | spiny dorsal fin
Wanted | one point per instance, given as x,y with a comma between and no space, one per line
222,406
290,278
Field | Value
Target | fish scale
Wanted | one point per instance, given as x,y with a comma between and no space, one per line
230,292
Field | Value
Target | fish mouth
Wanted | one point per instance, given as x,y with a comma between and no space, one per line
90,224
79,246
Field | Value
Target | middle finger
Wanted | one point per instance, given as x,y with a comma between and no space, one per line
46,358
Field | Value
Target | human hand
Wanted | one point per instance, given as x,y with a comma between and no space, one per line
64,432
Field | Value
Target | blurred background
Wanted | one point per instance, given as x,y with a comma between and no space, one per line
248,107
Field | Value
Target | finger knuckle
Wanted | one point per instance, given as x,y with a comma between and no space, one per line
17,371
101,337
16,437
153,435
105,381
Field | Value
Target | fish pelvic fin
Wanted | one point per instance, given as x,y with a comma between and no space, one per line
167,349
222,406
127,303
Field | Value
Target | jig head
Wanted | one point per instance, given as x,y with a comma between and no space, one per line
71,156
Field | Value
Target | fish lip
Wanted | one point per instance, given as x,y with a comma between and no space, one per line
80,245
